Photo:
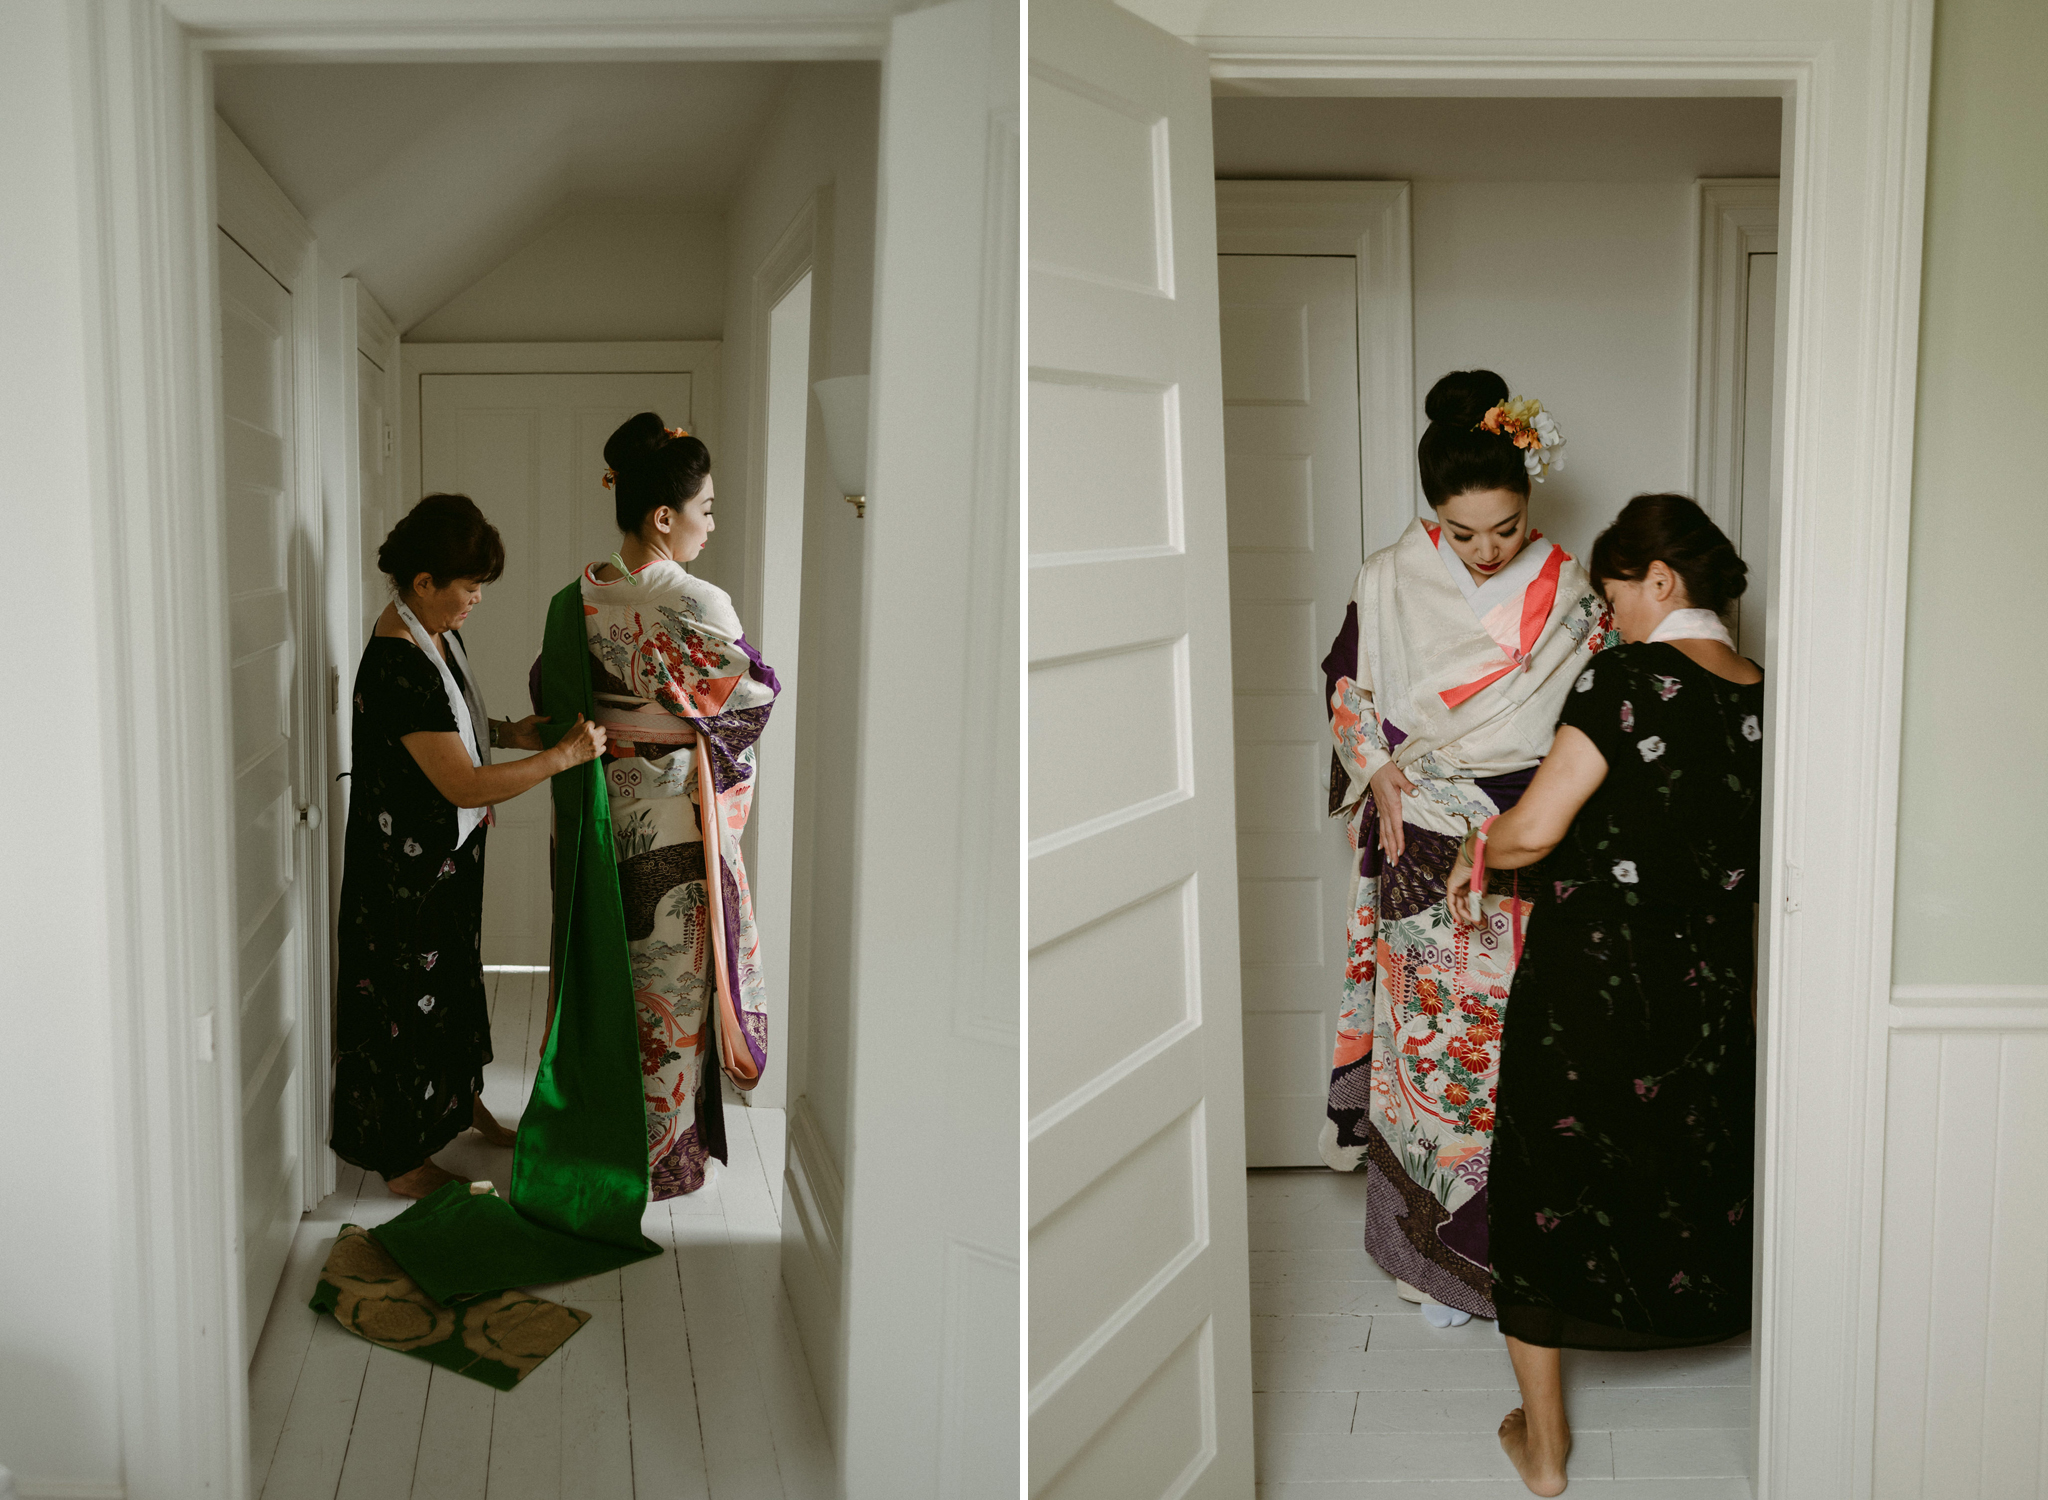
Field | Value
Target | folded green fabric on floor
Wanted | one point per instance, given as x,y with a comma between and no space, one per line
579,1171
499,1340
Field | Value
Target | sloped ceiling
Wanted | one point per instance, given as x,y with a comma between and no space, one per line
417,178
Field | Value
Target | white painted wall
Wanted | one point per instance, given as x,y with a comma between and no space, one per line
1580,294
1577,286
1962,1396
598,273
58,1397
823,134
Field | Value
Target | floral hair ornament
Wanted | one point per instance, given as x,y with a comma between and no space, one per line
611,476
1523,421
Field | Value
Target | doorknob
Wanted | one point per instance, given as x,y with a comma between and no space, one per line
310,815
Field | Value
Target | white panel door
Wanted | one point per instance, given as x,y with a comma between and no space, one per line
1297,537
529,450
256,409
1139,1370
1755,504
933,1282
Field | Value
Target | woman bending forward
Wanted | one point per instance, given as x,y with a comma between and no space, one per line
1620,1198
1461,641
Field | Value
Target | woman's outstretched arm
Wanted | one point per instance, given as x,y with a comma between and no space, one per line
1537,824
441,755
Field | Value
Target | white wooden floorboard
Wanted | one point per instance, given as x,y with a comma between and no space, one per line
739,1442
1357,1397
597,1443
1324,1458
384,1438
455,1439
281,1350
686,1384
803,1453
661,1389
526,1437
771,1136
322,1415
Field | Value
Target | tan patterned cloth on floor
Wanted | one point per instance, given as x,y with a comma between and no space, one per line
499,1340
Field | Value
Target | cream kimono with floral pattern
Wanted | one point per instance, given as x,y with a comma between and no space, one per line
683,698
1459,684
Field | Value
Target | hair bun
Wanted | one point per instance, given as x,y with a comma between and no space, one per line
637,439
1463,397
1731,570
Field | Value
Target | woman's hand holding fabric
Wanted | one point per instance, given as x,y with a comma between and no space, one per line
445,759
1458,892
581,741
1389,786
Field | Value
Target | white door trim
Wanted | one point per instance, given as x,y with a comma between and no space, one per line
803,249
1855,85
803,245
153,465
1368,221
1737,216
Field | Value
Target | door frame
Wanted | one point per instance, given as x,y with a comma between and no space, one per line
153,465
804,248
1368,221
1854,82
1737,216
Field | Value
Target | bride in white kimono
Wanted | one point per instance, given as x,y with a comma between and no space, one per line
1444,686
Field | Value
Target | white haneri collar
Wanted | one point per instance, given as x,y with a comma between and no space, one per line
1502,586
1691,625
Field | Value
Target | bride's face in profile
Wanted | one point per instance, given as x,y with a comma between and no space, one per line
683,533
694,526
1486,528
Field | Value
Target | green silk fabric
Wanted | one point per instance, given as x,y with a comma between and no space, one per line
579,1171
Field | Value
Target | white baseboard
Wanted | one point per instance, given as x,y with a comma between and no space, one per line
816,1191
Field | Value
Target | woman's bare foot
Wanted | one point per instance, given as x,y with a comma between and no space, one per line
1539,1462
421,1180
486,1125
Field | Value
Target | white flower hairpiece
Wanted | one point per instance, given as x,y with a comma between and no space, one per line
1524,422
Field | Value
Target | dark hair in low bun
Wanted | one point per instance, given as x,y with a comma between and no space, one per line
1673,530
1454,455
446,537
652,467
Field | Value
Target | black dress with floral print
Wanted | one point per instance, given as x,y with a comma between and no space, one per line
1619,1194
412,1030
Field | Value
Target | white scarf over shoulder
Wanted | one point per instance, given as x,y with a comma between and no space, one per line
465,702
1458,680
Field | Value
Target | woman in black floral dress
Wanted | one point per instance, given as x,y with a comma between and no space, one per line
1621,1173
412,1031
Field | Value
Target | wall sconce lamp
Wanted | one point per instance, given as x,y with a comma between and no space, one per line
844,401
